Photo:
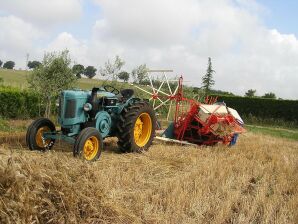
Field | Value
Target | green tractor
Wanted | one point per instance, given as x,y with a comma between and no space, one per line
88,117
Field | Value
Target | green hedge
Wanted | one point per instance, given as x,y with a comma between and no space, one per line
17,103
286,110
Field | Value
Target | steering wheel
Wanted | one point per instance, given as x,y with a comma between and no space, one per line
111,89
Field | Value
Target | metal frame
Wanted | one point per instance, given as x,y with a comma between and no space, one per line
159,97
182,126
58,136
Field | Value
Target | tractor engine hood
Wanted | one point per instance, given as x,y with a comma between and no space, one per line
71,104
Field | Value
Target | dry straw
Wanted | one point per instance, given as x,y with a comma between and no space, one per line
254,182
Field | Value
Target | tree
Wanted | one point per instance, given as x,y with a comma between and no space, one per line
51,77
250,93
90,72
1,62
33,64
140,73
78,70
112,69
9,65
123,76
207,80
269,95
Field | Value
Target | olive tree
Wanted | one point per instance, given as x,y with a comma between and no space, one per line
123,76
33,64
140,74
9,65
90,72
78,70
269,95
51,77
250,93
112,69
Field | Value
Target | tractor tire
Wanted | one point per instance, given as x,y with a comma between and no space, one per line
88,145
34,139
136,127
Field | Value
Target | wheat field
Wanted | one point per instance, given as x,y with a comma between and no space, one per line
254,182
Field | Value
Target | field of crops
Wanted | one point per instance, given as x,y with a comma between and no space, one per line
254,182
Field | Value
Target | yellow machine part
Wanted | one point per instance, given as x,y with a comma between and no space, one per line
142,129
39,135
91,148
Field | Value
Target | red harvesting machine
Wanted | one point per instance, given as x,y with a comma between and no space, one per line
195,122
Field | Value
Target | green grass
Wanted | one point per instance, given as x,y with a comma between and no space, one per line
276,132
18,78
12,126
269,122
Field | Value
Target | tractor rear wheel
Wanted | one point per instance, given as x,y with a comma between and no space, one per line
34,135
136,127
88,144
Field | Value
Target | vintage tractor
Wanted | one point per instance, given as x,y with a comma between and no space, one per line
87,117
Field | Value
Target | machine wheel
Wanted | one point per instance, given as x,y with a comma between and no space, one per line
34,135
89,144
233,140
136,127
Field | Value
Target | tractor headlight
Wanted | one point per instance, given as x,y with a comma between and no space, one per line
87,107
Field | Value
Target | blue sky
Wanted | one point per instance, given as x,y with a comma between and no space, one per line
82,29
282,15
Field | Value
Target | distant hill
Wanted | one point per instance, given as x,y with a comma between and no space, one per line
18,78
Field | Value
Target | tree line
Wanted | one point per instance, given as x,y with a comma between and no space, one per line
111,69
208,81
252,93
114,70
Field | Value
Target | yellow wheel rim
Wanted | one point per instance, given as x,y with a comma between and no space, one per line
39,135
142,129
91,148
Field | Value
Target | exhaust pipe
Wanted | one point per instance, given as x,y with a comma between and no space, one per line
93,102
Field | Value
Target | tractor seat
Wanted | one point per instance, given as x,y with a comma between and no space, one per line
127,93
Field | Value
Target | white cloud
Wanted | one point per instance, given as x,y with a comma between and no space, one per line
182,34
43,12
17,38
150,23
179,35
77,49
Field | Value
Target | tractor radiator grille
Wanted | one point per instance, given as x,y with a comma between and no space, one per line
61,105
70,109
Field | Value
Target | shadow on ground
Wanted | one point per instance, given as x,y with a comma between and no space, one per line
18,140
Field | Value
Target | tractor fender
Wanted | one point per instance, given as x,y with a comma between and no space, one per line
132,100
103,123
128,103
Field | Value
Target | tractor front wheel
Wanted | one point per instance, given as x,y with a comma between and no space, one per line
136,127
89,144
34,137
